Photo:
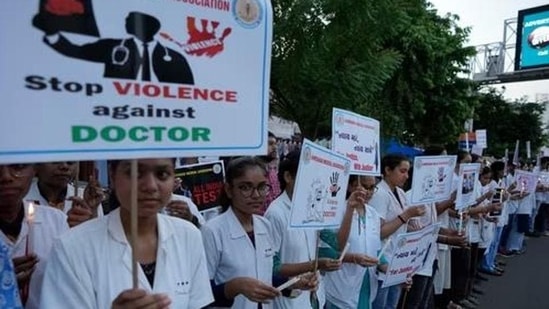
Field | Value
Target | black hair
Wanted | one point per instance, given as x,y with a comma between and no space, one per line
462,154
475,157
271,134
289,164
391,161
496,168
433,150
237,167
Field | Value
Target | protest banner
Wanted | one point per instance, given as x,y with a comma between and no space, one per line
90,80
526,181
204,182
481,138
412,252
432,179
320,187
357,137
467,185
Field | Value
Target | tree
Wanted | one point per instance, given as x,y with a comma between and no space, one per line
427,100
506,122
329,53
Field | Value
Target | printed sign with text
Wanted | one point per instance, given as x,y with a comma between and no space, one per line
92,79
432,179
321,185
467,185
357,138
204,182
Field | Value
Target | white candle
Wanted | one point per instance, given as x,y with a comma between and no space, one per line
460,226
29,249
344,252
383,249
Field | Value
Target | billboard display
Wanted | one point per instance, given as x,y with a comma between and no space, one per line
532,49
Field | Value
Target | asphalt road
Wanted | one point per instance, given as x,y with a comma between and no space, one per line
525,284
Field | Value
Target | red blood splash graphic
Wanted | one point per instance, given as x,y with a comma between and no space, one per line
64,7
201,42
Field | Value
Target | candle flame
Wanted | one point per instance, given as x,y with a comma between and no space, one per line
31,211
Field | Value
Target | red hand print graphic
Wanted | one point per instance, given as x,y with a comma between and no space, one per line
64,7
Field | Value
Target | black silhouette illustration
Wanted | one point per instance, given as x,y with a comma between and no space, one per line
334,187
68,15
139,57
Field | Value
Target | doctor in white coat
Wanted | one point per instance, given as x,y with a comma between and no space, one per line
239,244
90,267
29,248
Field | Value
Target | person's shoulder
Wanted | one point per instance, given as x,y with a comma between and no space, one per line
218,222
180,226
49,213
276,208
82,234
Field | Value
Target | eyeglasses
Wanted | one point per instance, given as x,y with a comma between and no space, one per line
372,189
17,170
247,190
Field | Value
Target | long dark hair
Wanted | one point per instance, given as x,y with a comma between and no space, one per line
289,164
237,167
391,161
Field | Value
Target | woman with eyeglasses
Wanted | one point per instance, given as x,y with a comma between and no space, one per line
91,266
29,253
355,284
240,246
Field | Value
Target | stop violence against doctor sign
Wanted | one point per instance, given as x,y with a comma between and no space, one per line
98,79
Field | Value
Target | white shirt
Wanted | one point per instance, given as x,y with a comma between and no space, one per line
49,224
388,208
92,264
473,225
294,246
231,254
343,286
35,196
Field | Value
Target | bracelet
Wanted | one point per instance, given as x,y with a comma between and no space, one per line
401,219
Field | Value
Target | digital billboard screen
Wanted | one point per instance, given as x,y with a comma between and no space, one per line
532,49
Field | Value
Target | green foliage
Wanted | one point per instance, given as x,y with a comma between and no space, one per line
507,122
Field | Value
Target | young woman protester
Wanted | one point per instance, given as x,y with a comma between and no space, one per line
94,260
297,246
240,246
355,285
53,187
390,202
30,239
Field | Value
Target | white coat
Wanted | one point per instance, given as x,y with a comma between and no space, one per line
92,264
231,254
343,286
49,224
34,196
294,246
388,208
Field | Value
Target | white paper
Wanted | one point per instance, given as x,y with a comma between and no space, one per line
432,179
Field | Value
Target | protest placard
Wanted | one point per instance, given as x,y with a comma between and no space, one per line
89,80
204,182
432,179
467,185
526,181
321,184
482,139
412,252
357,137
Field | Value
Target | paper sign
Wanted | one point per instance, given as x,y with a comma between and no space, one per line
482,139
321,184
357,138
129,79
476,149
467,185
432,179
526,181
412,251
204,181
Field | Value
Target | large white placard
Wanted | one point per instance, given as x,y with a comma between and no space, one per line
412,252
321,185
527,182
482,138
99,79
467,185
432,179
357,137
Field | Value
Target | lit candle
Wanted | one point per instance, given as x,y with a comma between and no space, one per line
29,249
460,226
